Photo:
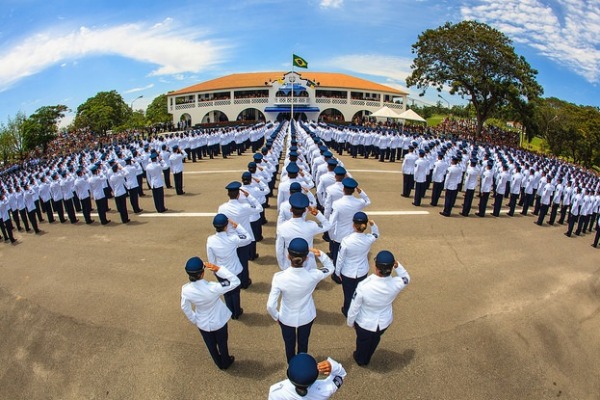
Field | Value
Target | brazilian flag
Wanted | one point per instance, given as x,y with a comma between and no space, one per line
299,62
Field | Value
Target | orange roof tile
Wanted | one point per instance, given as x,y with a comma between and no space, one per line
258,79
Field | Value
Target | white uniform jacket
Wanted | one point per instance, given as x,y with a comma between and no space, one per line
371,306
201,301
322,389
295,286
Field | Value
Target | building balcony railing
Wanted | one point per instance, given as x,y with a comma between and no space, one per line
288,100
331,100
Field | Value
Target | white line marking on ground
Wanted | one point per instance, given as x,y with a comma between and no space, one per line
212,214
376,171
213,172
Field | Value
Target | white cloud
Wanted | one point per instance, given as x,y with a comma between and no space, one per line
173,49
139,89
396,68
568,34
331,3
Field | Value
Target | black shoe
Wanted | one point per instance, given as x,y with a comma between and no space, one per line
464,215
248,285
91,221
358,363
444,214
38,231
344,312
127,221
13,240
238,315
510,214
594,246
231,360
567,234
537,223
106,222
139,211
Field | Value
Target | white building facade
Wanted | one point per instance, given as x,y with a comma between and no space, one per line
270,96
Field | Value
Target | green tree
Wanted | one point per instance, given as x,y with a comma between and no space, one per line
7,144
475,61
568,129
102,112
135,121
41,127
12,137
157,111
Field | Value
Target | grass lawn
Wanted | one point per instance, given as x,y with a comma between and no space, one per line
536,144
436,119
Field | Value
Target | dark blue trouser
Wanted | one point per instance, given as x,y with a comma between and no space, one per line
232,298
498,198
158,195
483,203
216,342
244,256
349,286
468,201
366,344
292,335
449,200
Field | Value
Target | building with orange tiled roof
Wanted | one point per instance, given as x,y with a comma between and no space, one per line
270,96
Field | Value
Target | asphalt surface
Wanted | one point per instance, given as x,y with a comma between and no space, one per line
498,308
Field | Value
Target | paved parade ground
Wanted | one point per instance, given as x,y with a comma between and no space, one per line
498,308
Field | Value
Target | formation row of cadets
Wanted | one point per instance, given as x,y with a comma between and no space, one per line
548,185
349,247
229,251
68,184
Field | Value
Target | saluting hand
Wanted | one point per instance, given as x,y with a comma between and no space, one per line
324,367
313,210
243,191
316,252
211,266
371,222
359,190
233,223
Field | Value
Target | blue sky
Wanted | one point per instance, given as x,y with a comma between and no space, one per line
65,51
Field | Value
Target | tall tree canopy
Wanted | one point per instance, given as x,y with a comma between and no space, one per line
475,61
569,130
41,127
102,112
157,111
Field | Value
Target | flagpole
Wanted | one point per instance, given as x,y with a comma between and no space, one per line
293,79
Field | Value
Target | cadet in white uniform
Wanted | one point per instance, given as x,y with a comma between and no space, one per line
302,382
202,305
343,211
295,285
298,227
352,264
240,213
221,249
370,312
